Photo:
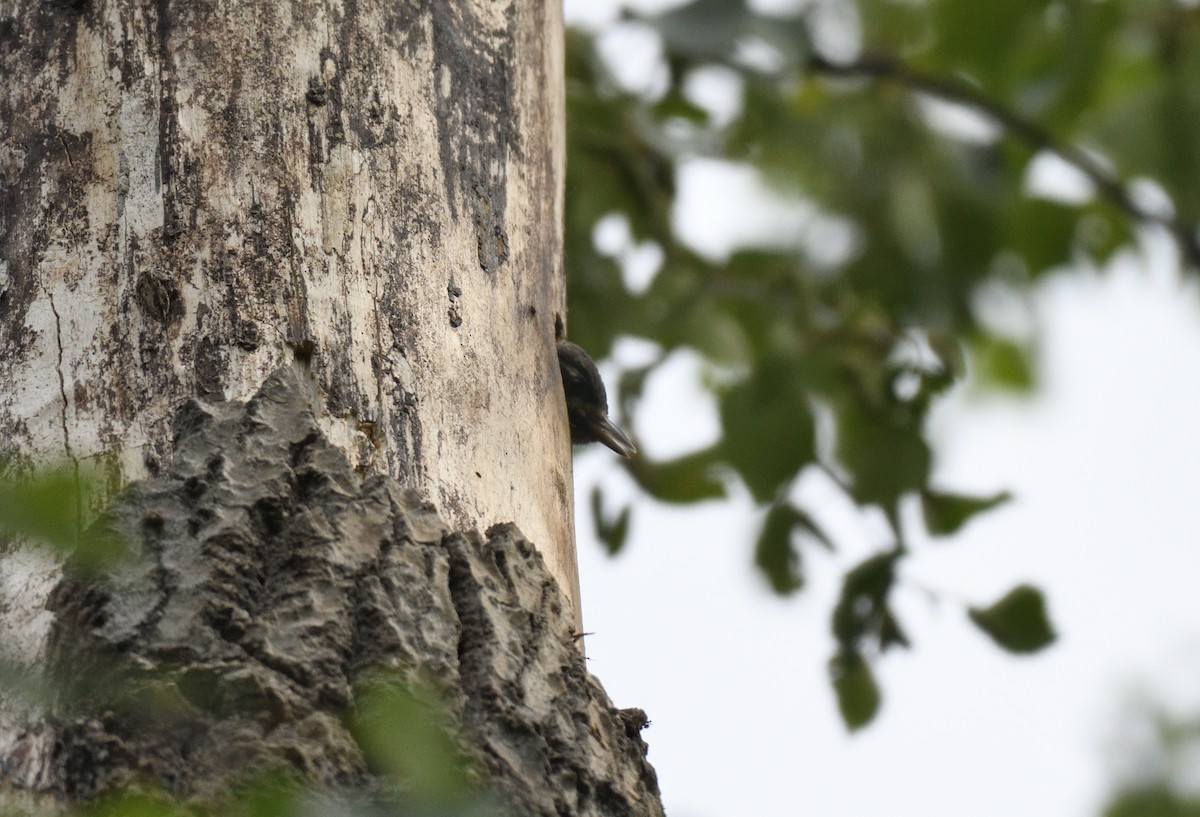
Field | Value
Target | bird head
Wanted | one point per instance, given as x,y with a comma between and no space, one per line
587,402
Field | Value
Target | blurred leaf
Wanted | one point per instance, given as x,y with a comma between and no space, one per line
775,554
887,458
809,527
1017,622
611,533
710,329
949,350
100,548
858,694
891,634
982,39
704,29
1002,363
861,609
45,508
402,729
769,428
687,479
946,513
1146,116
134,804
1067,74
1043,232
896,27
1153,801
1101,231
276,794
677,105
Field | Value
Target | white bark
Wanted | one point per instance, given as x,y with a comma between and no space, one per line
193,194
196,194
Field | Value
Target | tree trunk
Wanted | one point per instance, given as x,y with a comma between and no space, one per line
198,193
347,217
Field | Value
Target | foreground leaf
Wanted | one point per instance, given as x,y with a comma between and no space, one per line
947,513
687,479
46,508
858,694
1018,622
775,554
611,532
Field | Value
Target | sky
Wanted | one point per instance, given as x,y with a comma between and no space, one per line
1103,460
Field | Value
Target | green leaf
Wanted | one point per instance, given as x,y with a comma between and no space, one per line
274,794
145,802
887,456
894,27
1002,363
704,29
1154,798
809,526
1043,232
1017,622
687,479
949,350
1102,230
402,729
946,513
891,634
862,608
45,508
611,533
769,428
775,554
1149,109
982,39
676,105
858,694
1070,68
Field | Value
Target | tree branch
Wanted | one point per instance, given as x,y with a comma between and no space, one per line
1108,185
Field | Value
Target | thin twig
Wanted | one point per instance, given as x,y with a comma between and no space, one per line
1108,185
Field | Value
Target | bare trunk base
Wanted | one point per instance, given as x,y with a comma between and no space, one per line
270,584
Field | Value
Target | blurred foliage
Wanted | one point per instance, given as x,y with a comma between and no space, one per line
404,730
830,349
858,694
47,507
1156,760
946,513
1153,802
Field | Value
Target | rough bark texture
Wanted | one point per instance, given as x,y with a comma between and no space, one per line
270,581
193,194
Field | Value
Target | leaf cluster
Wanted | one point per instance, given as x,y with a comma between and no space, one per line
829,350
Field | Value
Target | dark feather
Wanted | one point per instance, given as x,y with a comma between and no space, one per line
587,401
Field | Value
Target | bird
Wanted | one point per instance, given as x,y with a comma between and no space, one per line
587,402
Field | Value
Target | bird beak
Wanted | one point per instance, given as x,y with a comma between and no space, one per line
613,437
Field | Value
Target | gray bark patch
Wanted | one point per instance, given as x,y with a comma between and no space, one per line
271,583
